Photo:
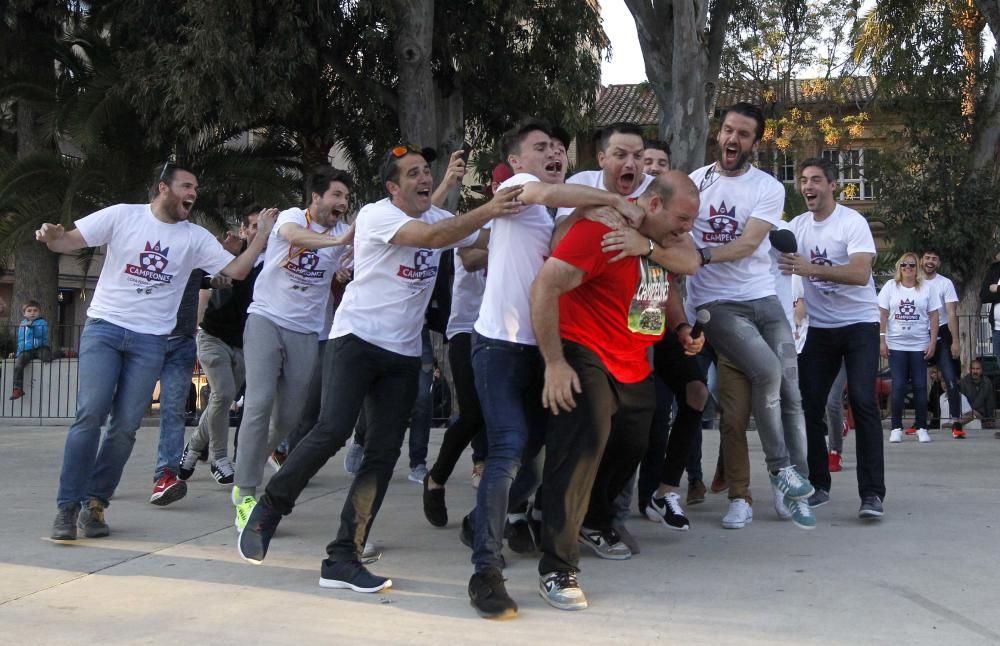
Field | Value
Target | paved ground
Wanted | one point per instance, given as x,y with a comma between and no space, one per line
926,574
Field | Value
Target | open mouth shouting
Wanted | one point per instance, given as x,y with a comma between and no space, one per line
731,156
811,198
626,182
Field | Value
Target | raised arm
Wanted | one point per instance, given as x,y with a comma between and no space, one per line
447,232
239,268
58,239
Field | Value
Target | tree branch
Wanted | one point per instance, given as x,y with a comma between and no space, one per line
383,93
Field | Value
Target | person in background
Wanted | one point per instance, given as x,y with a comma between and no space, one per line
978,389
32,343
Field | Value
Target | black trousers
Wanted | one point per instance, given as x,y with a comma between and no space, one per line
590,453
469,425
857,347
355,372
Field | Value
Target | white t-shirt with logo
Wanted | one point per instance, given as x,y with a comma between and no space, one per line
293,288
385,303
595,179
727,204
519,245
466,298
147,265
831,242
946,290
909,325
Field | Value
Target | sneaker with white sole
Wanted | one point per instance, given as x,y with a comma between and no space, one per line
418,473
779,505
222,470
351,575
561,590
791,483
896,435
740,514
923,436
871,507
189,459
802,515
256,533
370,553
668,510
606,544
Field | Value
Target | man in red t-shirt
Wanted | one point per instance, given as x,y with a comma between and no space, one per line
612,308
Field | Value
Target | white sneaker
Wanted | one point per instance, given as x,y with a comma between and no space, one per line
896,435
923,435
780,507
740,514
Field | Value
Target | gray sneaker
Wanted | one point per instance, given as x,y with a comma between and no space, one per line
871,507
352,459
820,498
91,520
64,526
606,544
791,483
418,473
561,590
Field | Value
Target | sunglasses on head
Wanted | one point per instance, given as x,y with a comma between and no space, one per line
402,151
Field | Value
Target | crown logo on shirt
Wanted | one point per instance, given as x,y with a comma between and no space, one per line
722,210
156,248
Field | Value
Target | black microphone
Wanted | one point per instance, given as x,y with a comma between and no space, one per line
783,240
704,316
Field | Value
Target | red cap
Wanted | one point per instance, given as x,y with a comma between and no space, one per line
501,173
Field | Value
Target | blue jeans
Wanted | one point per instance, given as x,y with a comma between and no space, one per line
509,382
118,369
175,384
905,366
420,420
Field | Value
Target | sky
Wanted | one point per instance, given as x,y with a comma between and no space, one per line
626,65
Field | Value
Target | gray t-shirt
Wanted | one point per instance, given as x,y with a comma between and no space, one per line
187,312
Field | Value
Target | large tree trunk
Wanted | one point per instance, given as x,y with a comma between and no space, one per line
417,97
36,269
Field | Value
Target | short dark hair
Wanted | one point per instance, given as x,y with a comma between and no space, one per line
657,144
979,361
28,304
562,136
251,209
620,128
748,110
164,173
511,142
829,169
321,178
388,169
931,249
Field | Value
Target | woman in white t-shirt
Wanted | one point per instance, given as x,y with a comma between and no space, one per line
908,308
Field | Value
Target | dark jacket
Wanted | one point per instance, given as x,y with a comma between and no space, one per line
986,296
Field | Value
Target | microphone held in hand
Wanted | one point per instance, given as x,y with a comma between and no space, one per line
704,316
783,240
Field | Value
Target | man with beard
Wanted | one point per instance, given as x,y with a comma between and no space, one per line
740,204
373,358
281,339
843,329
505,357
151,251
947,351
597,381
656,157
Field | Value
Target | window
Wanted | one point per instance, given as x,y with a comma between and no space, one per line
854,184
779,164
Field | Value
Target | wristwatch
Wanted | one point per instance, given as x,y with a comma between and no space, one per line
650,252
706,255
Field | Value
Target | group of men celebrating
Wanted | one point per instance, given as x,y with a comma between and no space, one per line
580,312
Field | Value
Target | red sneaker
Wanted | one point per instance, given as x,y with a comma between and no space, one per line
847,428
17,393
835,462
168,489
911,431
277,459
957,432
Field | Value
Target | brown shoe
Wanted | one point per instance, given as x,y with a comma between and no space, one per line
719,483
696,492
17,393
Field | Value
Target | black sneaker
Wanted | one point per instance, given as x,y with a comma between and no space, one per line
667,510
91,520
435,509
256,534
468,532
222,471
535,523
518,534
189,459
819,498
489,597
871,507
350,575
64,526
